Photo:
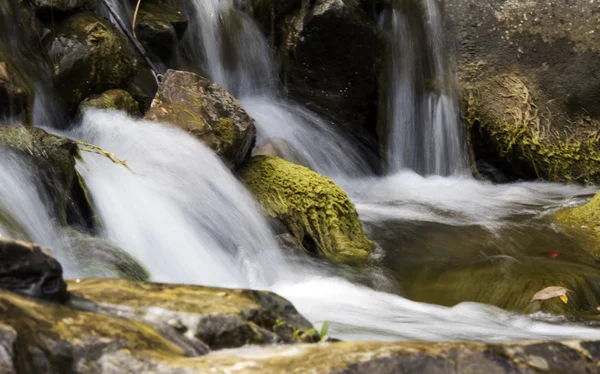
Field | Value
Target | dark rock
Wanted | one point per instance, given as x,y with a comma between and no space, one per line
90,56
115,99
16,95
208,112
331,56
531,85
159,28
30,270
55,8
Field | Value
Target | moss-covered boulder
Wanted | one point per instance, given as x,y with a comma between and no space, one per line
52,160
159,27
583,220
316,211
55,8
90,56
530,87
115,99
220,318
31,270
208,112
332,52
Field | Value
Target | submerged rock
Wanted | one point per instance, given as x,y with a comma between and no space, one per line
317,212
90,56
584,219
52,160
206,111
112,99
331,56
530,87
220,318
30,270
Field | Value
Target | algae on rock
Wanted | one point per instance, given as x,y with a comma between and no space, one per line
116,99
584,220
317,211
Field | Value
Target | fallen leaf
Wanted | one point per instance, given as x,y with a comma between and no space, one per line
564,298
550,293
552,254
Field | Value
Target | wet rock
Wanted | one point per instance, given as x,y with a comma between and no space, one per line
143,86
331,56
316,211
392,358
206,111
30,270
530,87
55,8
52,160
159,28
115,99
270,13
221,318
90,56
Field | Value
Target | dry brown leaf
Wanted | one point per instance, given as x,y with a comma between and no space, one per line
550,293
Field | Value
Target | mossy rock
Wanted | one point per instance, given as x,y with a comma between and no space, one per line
115,99
52,160
206,111
316,211
52,338
90,56
221,318
530,87
514,126
583,220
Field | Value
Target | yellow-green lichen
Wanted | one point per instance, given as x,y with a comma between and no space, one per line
507,111
584,220
115,99
312,206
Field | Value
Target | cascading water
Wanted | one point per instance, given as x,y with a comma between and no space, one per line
226,45
425,130
184,216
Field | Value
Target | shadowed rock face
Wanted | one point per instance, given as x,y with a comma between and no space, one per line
54,8
331,55
531,84
30,270
206,111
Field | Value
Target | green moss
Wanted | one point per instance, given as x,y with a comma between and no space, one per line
507,111
226,131
584,220
310,205
115,99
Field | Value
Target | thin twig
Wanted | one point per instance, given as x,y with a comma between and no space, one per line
137,8
92,148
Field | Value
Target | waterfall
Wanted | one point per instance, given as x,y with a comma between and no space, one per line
226,45
425,129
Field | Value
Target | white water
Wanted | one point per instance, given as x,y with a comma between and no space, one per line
425,130
227,46
188,220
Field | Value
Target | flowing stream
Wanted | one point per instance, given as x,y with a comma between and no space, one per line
187,219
